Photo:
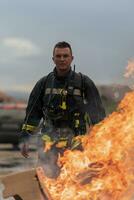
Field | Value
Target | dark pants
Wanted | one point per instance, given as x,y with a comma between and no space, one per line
48,160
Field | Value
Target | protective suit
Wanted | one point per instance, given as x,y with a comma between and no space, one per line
68,106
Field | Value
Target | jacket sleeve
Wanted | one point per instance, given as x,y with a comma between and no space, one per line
34,111
94,104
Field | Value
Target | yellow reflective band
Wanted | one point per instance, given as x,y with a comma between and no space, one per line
27,127
54,91
76,92
61,144
46,138
63,106
63,138
77,123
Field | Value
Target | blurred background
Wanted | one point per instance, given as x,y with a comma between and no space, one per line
101,35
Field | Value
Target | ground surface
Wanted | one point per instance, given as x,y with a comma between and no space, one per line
11,161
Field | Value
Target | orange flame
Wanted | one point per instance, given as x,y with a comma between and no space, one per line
104,170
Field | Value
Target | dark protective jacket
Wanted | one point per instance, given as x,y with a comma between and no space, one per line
81,97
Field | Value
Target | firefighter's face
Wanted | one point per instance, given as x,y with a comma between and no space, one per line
62,58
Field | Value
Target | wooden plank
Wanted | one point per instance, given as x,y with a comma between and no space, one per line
22,186
41,178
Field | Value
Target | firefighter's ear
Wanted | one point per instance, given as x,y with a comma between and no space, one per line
72,58
53,59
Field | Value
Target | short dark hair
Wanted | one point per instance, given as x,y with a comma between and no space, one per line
62,44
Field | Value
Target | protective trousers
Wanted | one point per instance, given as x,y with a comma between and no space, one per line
59,140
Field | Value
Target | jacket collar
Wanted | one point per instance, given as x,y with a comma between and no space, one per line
65,77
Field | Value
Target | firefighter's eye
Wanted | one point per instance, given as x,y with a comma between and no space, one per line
58,56
65,56
62,56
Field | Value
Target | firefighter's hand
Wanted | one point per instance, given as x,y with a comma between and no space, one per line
24,143
24,148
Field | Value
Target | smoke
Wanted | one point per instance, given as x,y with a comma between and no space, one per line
129,71
48,160
48,157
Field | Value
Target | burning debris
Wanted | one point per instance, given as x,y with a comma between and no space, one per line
104,170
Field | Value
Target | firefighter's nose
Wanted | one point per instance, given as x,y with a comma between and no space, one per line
62,58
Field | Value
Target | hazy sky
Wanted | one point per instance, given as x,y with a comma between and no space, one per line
101,33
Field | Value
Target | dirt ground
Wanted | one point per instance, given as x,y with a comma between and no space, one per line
12,161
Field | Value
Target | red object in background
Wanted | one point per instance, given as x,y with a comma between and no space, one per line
11,106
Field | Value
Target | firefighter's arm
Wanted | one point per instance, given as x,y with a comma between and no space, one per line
33,116
34,111
27,131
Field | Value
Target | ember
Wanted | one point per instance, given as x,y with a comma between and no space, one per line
104,170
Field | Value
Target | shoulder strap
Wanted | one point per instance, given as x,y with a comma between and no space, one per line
50,77
76,78
82,84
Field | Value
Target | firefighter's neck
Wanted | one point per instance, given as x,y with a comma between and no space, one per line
62,73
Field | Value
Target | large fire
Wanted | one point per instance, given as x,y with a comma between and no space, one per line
104,170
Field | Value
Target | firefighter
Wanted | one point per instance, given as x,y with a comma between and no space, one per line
68,102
